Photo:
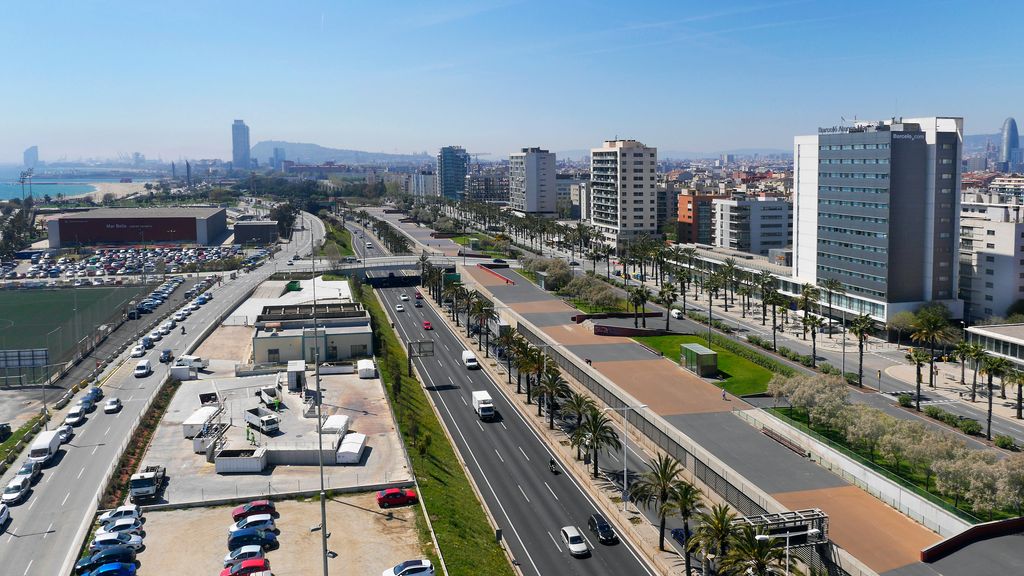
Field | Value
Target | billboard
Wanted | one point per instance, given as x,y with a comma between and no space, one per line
126,230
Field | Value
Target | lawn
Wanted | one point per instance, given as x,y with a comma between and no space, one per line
338,237
741,376
17,435
584,306
463,532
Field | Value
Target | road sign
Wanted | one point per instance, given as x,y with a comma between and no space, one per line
27,358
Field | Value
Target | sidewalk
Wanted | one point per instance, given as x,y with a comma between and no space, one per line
947,385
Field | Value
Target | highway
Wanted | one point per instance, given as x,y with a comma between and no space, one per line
42,535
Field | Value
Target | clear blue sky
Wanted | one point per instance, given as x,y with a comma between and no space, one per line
94,79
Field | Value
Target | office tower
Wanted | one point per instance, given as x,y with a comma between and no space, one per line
188,174
452,167
752,224
240,146
531,182
278,159
877,208
1009,142
31,156
991,254
623,198
174,172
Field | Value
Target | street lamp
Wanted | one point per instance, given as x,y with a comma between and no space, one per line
764,537
624,409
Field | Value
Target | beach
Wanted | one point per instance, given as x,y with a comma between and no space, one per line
118,189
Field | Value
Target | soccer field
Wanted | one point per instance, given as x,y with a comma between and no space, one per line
48,319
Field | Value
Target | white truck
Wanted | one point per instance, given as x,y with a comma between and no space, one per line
482,405
147,484
469,359
194,362
266,421
44,447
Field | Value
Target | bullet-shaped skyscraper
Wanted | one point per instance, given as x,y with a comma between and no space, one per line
240,146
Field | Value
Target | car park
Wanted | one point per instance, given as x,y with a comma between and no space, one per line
574,541
396,497
138,351
112,406
411,568
16,490
126,511
31,470
75,417
602,529
122,525
247,567
133,541
257,521
239,555
253,508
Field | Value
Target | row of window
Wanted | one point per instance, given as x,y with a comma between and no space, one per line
854,147
852,218
856,175
853,161
851,273
852,260
853,189
853,245
852,204
853,232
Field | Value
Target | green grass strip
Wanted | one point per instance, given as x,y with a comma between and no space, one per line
741,376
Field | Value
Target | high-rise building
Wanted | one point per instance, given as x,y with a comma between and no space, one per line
991,255
531,182
623,195
752,224
31,157
452,167
1009,142
278,160
877,207
421,184
491,186
695,217
240,146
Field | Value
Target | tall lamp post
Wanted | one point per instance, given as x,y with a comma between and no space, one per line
788,535
625,410
319,413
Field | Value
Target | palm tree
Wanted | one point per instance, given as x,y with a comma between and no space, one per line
993,367
977,355
552,386
728,271
766,284
755,556
831,286
809,296
534,362
931,326
578,440
962,351
714,532
813,323
745,291
599,434
861,327
654,488
577,405
686,500
919,357
506,340
666,297
774,299
643,295
521,352
633,298
683,276
424,260
483,314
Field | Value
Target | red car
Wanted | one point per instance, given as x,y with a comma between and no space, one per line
254,566
395,497
419,296
427,326
254,507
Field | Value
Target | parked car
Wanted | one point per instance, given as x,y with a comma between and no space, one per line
258,521
253,508
5,431
574,541
5,514
143,369
133,541
411,568
112,406
75,416
396,497
602,529
16,490
122,525
247,567
239,555
116,554
114,569
251,536
166,356
126,511
31,470
66,433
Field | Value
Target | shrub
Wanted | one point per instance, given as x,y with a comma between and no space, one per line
969,426
906,400
806,360
752,355
1005,442
933,412
852,378
827,368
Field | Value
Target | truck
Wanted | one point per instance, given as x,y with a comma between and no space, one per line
469,360
482,405
199,420
147,483
195,362
266,421
44,447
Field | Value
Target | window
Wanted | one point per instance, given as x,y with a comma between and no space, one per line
990,245
990,258
990,232
988,310
988,297
989,272
990,285
947,176
274,355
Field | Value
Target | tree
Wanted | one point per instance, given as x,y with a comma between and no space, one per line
977,355
643,297
686,500
813,323
654,489
985,477
505,340
577,405
861,327
809,296
599,434
775,300
962,351
919,358
666,297
866,426
753,556
952,476
893,444
766,284
1011,483
552,386
714,532
993,367
832,287
931,326
901,322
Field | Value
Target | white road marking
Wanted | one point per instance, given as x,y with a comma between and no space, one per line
439,364
480,425
107,431
29,567
450,380
523,493
65,501
503,426
464,401
555,542
96,448
552,491
33,503
48,528
80,472
499,455
524,453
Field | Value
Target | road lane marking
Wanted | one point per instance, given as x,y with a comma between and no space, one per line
107,432
480,425
499,455
552,491
65,501
48,529
439,364
33,503
82,470
29,567
464,401
450,380
94,451
555,542
503,426
524,453
523,493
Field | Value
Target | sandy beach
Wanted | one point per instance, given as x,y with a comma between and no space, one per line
118,189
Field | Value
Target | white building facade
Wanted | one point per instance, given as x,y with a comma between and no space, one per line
623,191
752,224
991,253
531,181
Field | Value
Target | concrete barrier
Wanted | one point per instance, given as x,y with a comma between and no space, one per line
973,534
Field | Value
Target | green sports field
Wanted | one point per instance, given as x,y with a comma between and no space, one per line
48,319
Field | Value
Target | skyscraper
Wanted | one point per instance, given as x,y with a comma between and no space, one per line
452,167
240,146
278,160
1010,142
531,182
31,156
877,207
623,193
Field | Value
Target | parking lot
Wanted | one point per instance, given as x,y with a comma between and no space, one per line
366,539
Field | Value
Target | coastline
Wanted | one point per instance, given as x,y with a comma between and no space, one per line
118,189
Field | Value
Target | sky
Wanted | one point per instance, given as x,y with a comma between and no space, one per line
95,79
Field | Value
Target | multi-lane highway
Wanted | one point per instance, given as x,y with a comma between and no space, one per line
42,535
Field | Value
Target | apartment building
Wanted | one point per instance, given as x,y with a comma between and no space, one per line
991,253
752,224
531,179
623,191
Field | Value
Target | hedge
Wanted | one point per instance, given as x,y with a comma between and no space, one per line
748,354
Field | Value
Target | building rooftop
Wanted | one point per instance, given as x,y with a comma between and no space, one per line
170,212
256,223
328,330
743,259
1001,331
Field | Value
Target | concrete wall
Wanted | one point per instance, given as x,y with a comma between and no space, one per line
246,464
290,348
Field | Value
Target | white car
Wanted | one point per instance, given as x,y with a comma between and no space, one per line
676,313
16,490
126,511
156,336
399,308
164,330
111,406
75,416
133,541
121,525
258,521
239,555
138,351
66,433
404,297
180,316
411,568
5,514
574,541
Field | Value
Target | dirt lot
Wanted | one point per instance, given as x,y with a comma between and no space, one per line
227,343
193,541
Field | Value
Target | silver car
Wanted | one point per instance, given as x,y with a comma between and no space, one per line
575,541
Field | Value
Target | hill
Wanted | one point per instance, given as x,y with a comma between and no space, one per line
316,154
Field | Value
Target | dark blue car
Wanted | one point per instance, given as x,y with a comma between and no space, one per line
114,569
116,554
252,536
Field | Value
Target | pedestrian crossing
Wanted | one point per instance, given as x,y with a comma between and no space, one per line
924,398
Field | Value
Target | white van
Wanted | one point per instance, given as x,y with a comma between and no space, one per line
44,446
192,362
143,368
369,244
469,359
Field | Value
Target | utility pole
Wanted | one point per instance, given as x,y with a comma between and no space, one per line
319,412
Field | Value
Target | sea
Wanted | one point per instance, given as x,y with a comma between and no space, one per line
10,187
